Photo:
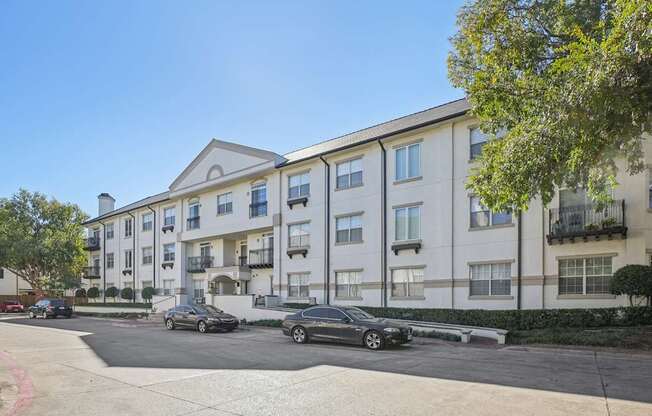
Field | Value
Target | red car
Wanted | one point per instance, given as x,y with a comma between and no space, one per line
11,306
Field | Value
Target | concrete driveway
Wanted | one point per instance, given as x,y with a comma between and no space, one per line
87,366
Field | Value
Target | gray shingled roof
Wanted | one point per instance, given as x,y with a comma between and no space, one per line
425,117
411,121
154,199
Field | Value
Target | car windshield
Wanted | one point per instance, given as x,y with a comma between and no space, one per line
358,313
56,302
207,309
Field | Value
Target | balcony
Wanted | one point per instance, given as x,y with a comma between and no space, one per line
298,244
92,243
261,259
92,272
258,209
586,221
192,223
199,264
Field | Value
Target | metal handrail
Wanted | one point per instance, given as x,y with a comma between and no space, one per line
581,219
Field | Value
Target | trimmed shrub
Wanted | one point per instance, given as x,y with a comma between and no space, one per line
127,293
147,293
633,280
273,323
112,292
297,305
80,293
93,293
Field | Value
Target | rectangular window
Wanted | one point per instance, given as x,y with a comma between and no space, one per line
584,276
258,207
481,216
2,273
649,188
348,229
299,285
299,235
168,287
128,259
224,204
347,284
147,221
477,140
169,216
407,282
128,227
110,260
168,252
193,215
198,289
408,161
109,231
299,185
147,255
491,279
407,223
349,174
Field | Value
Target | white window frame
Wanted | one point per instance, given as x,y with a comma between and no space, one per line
129,227
259,203
227,204
413,288
346,225
649,188
302,187
300,233
110,260
300,281
491,216
110,231
348,166
196,218
168,287
584,276
167,218
493,276
147,255
148,221
347,284
404,211
398,176
478,139
169,255
129,259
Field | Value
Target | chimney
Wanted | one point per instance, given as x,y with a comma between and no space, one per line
106,203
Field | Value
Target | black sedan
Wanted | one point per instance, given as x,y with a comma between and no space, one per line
345,324
50,308
200,317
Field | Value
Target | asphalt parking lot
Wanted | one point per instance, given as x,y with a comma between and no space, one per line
88,366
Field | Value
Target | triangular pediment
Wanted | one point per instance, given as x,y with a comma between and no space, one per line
222,162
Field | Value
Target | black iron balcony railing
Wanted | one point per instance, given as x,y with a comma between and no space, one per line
299,241
199,264
92,272
587,221
258,209
92,243
192,223
261,259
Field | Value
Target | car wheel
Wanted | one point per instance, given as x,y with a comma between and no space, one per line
31,315
374,341
299,335
169,324
202,327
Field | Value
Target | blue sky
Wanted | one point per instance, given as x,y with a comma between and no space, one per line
119,96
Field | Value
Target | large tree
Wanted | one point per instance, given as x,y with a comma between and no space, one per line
570,81
41,240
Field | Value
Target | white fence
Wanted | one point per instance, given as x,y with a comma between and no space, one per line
242,307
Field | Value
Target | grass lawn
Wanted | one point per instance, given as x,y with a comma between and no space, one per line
639,337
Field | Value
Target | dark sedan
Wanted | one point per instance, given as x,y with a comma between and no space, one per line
344,324
50,308
200,317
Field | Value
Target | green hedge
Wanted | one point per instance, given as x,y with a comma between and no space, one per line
273,323
524,319
117,304
297,305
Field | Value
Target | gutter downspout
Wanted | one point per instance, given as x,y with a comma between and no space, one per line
519,258
280,233
452,215
327,225
153,249
133,256
543,256
383,224
104,260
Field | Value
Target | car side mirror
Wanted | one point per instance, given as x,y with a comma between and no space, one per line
346,320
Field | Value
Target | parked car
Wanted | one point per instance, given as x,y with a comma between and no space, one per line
203,318
11,306
50,308
344,324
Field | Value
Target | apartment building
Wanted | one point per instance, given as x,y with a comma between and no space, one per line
377,217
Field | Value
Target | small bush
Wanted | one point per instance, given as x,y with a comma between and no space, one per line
273,323
147,293
297,305
112,292
80,293
633,280
438,335
93,293
127,293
